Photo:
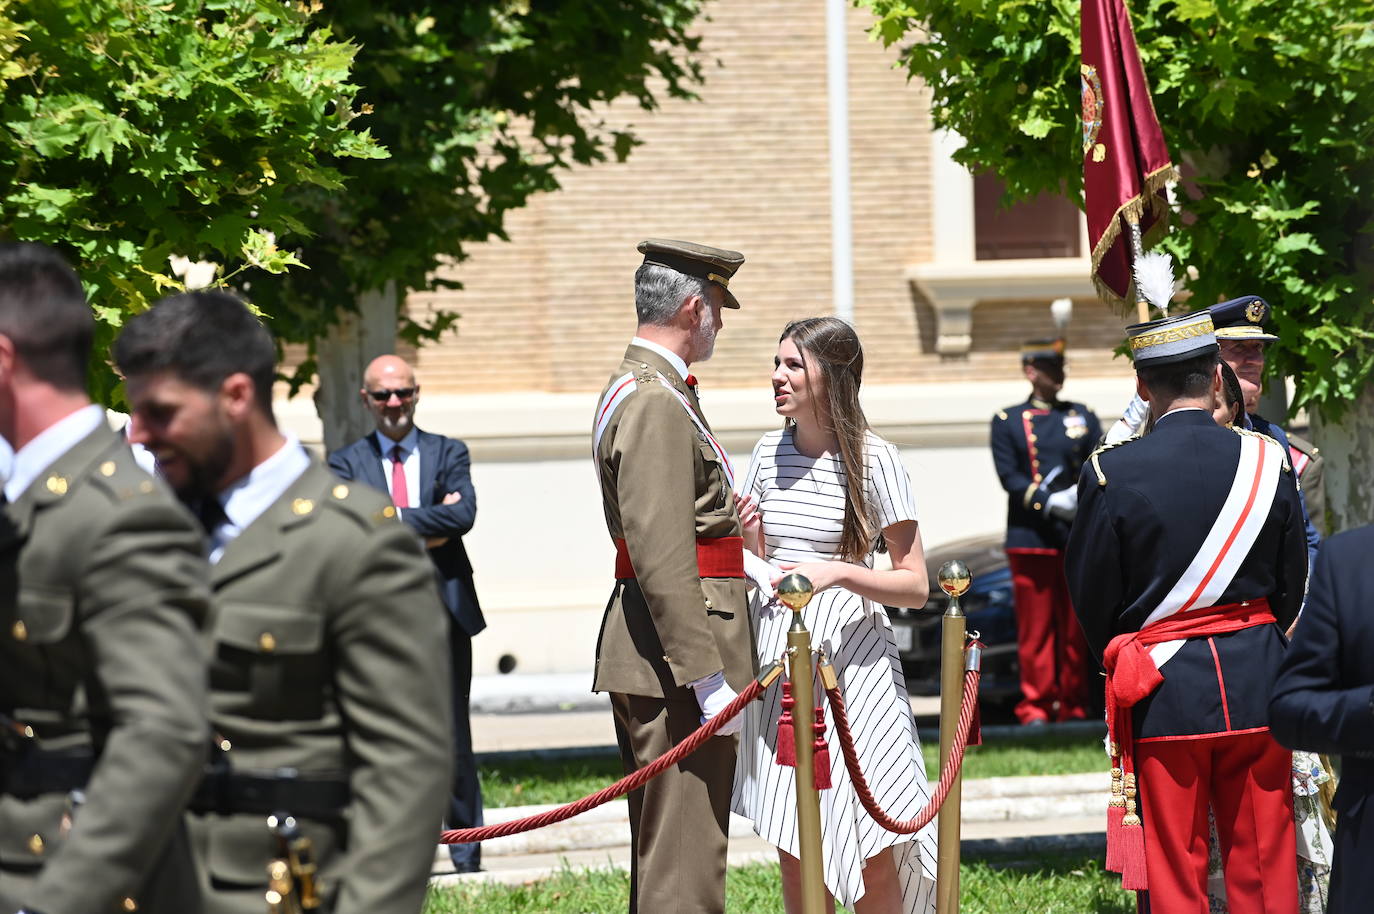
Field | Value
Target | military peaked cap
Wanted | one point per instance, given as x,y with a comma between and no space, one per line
1050,350
716,265
1242,319
1172,339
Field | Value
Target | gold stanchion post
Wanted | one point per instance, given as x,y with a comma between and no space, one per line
795,591
954,580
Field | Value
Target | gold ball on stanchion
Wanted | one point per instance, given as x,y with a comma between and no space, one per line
795,590
954,578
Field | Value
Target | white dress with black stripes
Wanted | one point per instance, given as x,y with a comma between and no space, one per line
802,500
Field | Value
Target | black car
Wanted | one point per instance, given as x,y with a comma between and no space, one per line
989,607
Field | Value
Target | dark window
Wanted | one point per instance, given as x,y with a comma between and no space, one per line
1046,226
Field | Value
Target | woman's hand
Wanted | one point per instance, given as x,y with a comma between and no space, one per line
750,517
822,575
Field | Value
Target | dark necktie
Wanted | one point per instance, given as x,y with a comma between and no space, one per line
211,514
400,496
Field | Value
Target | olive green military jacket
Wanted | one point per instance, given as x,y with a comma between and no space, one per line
662,486
330,656
1310,467
102,594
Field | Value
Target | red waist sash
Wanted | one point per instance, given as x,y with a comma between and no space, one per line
1131,677
717,557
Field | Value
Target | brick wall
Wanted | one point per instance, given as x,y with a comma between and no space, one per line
746,167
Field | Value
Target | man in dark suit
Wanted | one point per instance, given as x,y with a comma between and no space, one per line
428,479
1185,563
1323,698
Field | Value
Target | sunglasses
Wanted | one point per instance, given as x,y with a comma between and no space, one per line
404,393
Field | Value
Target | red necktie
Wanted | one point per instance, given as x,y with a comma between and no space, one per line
691,380
400,497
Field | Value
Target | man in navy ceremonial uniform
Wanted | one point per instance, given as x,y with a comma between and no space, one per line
1323,698
1186,560
1243,335
1038,447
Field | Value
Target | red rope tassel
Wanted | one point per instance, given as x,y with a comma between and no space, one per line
820,764
1116,810
787,747
1133,873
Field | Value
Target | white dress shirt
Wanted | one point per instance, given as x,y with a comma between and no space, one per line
48,445
245,500
410,464
673,358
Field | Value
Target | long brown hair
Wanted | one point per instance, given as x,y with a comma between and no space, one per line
831,345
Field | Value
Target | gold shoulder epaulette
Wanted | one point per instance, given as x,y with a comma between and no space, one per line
1283,451
644,374
1097,467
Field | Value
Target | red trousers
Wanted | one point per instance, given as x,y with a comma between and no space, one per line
1247,779
1049,642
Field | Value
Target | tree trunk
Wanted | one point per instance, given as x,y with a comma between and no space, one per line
343,353
1347,447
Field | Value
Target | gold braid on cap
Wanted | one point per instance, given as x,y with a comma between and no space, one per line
1173,334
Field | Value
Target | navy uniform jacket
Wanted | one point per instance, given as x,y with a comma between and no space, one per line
1135,536
1324,698
444,468
1029,442
1265,427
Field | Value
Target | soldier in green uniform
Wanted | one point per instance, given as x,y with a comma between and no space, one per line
102,595
329,693
676,644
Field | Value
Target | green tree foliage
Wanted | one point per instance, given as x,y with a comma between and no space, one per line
481,104
131,132
1268,105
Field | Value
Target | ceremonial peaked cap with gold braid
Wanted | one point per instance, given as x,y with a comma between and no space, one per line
1172,339
1242,319
716,265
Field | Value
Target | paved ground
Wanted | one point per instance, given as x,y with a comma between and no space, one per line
557,714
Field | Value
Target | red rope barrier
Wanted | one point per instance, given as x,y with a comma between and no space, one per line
621,787
956,760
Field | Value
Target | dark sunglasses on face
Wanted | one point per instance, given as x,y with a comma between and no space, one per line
381,396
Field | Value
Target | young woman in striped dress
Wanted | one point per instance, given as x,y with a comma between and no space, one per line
820,496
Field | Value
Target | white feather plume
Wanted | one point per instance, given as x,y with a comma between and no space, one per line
1154,279
1061,309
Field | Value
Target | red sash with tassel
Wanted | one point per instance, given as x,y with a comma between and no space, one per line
1131,677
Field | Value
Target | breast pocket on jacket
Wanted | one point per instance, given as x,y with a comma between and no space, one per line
713,492
278,651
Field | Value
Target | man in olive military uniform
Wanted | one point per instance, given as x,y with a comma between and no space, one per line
329,693
675,643
1038,447
1242,333
102,594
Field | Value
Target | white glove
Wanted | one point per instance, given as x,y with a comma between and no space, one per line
713,694
760,573
1132,421
1063,504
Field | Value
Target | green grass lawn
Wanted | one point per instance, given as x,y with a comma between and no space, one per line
1059,885
535,782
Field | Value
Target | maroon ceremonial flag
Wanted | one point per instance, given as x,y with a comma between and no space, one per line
1125,161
